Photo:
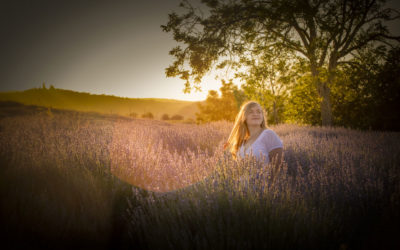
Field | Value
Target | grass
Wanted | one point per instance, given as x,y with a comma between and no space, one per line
105,104
70,179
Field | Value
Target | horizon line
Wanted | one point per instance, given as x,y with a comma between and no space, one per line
103,94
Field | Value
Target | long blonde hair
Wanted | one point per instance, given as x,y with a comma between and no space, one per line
240,132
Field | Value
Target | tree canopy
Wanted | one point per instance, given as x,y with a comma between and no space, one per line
221,34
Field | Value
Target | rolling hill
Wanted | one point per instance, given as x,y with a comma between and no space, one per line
106,104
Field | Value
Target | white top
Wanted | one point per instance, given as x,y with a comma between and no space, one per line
265,142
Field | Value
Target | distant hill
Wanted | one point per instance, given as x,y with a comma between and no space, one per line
106,104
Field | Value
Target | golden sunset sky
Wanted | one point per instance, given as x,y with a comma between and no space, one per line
100,47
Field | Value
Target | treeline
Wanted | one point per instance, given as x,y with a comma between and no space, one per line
364,95
165,117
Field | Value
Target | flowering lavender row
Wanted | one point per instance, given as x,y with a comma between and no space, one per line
77,175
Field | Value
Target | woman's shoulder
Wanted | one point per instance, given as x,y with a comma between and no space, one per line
268,131
269,134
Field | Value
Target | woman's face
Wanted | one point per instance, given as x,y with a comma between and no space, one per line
255,116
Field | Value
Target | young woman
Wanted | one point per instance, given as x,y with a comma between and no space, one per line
251,136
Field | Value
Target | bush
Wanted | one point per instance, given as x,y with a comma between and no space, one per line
148,115
177,117
165,117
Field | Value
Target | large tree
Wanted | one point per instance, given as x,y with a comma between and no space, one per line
217,33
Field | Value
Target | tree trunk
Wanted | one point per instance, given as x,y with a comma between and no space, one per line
326,109
325,93
275,113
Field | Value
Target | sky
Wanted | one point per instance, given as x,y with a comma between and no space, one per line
101,47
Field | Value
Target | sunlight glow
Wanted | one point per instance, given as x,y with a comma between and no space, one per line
141,160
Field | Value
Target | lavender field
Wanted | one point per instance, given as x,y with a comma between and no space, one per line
70,179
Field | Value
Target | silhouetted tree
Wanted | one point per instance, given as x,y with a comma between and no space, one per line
215,107
388,91
367,95
324,33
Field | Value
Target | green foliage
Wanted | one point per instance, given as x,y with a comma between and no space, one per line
267,80
240,97
303,104
224,107
223,33
387,93
366,93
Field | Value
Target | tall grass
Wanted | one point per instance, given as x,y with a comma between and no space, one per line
71,180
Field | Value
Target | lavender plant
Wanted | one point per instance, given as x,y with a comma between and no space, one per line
115,183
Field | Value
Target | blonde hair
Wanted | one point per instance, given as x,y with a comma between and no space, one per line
240,132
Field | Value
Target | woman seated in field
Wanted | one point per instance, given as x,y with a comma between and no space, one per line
250,136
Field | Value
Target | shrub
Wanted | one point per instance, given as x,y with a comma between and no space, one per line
148,115
177,117
165,117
